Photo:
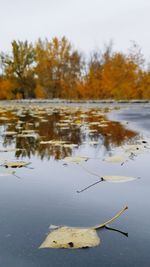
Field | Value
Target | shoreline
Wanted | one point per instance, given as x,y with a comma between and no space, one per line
134,117
63,101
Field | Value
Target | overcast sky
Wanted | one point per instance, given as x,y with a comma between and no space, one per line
88,24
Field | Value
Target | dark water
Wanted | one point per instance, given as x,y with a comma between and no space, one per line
46,194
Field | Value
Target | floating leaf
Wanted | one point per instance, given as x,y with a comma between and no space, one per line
45,142
28,132
102,125
93,142
137,148
7,173
78,122
92,131
2,118
109,178
53,142
71,237
75,159
117,179
65,121
9,149
116,158
34,135
44,120
70,145
15,164
94,123
66,237
142,141
61,124
9,133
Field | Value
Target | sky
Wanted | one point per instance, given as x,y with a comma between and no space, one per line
88,24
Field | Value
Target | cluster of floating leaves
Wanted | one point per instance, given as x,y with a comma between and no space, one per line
129,152
57,131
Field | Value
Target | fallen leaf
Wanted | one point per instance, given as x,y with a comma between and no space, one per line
93,142
28,132
34,135
66,237
73,238
117,179
137,148
102,125
53,142
70,145
9,133
15,164
116,158
9,149
7,173
94,123
75,159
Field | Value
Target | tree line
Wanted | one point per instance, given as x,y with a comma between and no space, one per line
55,69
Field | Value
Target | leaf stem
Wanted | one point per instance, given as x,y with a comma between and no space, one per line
111,220
80,191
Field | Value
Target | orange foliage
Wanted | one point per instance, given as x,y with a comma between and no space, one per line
6,88
39,92
54,69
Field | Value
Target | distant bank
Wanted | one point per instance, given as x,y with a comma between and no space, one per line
66,101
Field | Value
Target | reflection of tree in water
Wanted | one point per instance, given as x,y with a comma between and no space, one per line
46,129
113,133
53,126
116,134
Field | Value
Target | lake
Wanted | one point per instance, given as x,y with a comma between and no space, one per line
48,152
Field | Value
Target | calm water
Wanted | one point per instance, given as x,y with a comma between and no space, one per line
44,192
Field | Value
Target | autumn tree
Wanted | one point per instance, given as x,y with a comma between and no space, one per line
19,66
54,69
6,87
144,87
58,68
115,75
93,85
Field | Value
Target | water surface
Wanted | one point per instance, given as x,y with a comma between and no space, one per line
44,192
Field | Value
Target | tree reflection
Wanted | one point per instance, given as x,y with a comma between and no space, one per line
31,125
